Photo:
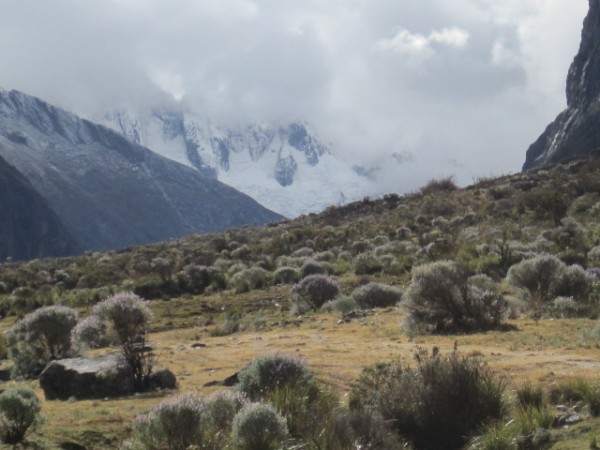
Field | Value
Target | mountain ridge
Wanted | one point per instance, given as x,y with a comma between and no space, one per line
110,192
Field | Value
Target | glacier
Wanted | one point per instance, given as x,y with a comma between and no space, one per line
286,168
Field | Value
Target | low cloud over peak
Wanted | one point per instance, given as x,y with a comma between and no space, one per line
460,80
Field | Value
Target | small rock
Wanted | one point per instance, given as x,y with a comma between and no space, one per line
162,379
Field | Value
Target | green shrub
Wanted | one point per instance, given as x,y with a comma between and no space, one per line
286,275
342,304
125,319
315,290
589,392
312,267
367,264
221,407
243,252
19,414
308,410
498,436
436,185
217,418
376,295
154,286
230,325
442,298
546,277
174,424
267,373
527,430
258,427
248,279
530,396
437,405
90,332
40,337
194,279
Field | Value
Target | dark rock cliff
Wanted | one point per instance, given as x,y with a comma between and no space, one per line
576,131
28,226
108,191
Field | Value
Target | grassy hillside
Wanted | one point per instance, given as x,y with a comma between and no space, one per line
233,293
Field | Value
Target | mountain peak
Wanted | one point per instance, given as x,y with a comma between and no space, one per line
575,130
285,167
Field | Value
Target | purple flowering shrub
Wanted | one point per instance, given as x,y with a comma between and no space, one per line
40,337
90,333
316,289
19,414
268,373
377,295
174,424
217,419
122,318
443,298
258,426
188,421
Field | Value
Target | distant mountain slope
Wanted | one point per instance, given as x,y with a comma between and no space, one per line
28,226
107,190
576,131
286,168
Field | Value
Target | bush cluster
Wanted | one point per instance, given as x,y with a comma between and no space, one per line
40,337
268,373
19,414
438,404
315,290
124,319
443,298
258,426
376,295
545,277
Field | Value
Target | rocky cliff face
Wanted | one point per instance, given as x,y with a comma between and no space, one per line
576,131
28,226
107,190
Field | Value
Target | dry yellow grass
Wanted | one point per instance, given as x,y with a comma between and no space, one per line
547,351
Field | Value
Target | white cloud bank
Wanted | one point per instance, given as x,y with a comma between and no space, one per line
464,86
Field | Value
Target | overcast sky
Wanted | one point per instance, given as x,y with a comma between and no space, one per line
447,86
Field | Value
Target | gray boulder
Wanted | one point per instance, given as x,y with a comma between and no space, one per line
87,378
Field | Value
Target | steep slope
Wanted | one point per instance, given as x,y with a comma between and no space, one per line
576,131
28,226
286,168
109,191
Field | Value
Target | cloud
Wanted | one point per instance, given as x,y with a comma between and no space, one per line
418,46
463,85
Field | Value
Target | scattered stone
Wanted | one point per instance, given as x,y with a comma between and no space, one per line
162,379
229,381
569,415
199,345
352,315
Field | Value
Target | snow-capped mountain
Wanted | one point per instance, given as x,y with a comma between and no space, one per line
285,168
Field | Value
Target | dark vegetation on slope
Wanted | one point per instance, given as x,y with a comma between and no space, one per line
485,228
